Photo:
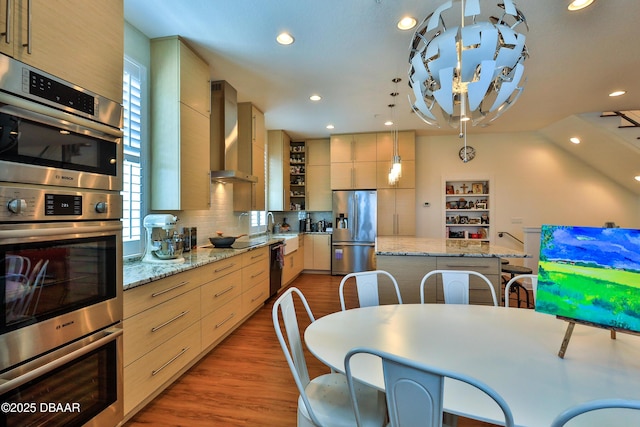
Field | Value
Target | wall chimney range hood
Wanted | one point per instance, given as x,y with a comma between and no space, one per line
229,162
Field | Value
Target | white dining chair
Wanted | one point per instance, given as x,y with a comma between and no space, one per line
594,405
324,400
30,286
367,287
521,280
414,391
16,264
455,285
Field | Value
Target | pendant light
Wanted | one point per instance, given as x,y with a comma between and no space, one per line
395,172
467,67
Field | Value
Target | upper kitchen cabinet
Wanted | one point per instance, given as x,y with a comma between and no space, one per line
353,161
407,153
278,146
318,175
79,41
180,152
252,135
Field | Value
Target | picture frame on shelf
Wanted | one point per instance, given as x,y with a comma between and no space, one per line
474,221
464,220
481,205
477,188
449,189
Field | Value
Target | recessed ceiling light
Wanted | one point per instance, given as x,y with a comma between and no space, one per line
329,126
285,38
618,93
579,4
315,97
575,140
637,177
407,23
388,123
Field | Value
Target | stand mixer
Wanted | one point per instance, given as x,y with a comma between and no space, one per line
163,244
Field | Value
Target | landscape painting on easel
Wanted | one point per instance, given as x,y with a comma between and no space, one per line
590,274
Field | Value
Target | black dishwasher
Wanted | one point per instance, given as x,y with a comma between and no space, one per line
276,262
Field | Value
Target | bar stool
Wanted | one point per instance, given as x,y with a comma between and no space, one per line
516,270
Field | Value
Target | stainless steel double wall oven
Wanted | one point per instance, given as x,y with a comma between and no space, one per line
60,252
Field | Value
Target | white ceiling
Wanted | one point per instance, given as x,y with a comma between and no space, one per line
349,50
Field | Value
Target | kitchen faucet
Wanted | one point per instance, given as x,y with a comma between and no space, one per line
270,223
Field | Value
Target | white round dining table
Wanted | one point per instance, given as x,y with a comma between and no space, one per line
514,351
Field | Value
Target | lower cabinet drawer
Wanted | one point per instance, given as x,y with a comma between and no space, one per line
151,371
255,297
254,274
145,331
218,292
221,321
484,265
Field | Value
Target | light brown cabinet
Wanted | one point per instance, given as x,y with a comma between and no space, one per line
79,41
179,127
317,252
318,175
353,161
409,270
255,279
396,212
252,136
171,323
162,334
293,263
278,147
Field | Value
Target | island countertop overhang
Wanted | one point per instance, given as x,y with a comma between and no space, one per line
432,247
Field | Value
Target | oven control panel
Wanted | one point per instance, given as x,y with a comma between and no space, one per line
25,203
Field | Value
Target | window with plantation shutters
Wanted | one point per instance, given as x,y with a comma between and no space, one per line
132,141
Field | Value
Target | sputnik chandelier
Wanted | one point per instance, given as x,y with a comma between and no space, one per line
466,67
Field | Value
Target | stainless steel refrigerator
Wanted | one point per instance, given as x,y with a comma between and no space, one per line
354,231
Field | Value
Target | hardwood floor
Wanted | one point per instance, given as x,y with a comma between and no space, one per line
245,380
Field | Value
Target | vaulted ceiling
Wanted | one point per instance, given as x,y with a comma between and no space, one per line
349,51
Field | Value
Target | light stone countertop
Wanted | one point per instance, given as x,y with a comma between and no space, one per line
137,273
423,246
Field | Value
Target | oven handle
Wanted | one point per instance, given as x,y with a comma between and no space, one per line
56,118
110,335
40,232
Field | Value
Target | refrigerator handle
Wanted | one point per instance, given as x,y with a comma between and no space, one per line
355,217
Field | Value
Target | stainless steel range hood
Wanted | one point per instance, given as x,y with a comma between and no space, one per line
229,161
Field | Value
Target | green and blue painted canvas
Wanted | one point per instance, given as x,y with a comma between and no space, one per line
590,274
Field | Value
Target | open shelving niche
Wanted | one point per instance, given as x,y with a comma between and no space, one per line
297,175
467,209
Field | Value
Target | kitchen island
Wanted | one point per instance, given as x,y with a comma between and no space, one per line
408,259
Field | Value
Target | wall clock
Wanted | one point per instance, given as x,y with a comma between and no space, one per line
467,153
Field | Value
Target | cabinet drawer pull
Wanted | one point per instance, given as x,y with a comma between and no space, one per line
257,256
170,361
154,329
226,320
29,29
258,297
226,267
257,274
7,27
224,291
168,289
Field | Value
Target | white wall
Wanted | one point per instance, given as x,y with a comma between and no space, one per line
534,182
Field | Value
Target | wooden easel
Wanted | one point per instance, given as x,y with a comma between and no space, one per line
572,323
